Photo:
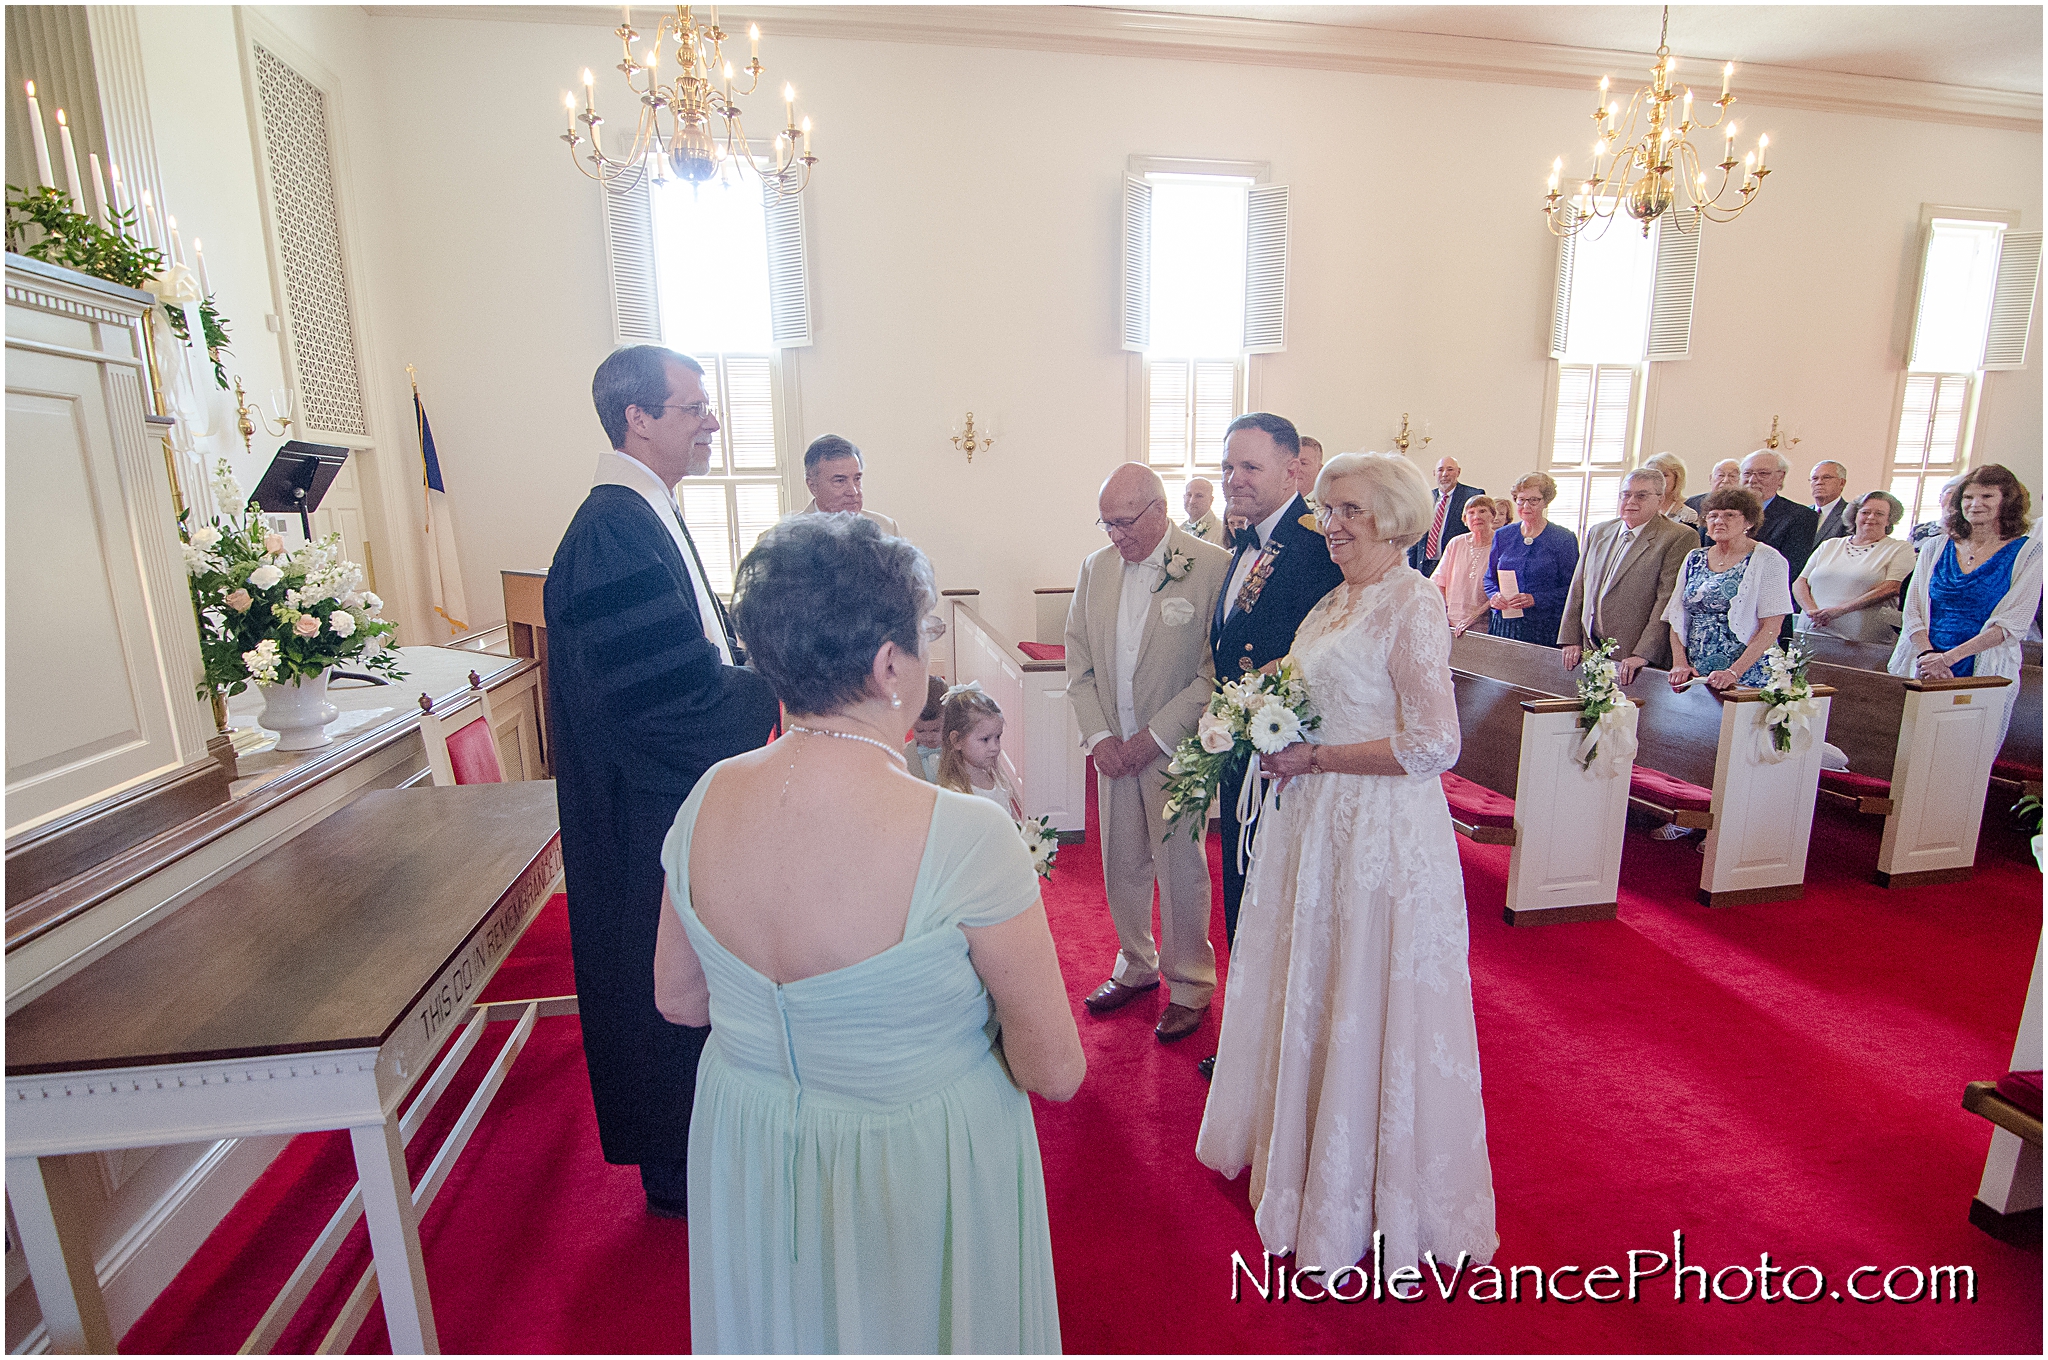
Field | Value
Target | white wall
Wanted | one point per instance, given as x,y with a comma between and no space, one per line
963,225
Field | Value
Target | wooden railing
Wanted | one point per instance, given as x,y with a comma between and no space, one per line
1041,745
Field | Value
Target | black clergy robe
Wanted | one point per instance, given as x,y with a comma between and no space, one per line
640,704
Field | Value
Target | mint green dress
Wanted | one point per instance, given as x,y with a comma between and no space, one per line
864,1176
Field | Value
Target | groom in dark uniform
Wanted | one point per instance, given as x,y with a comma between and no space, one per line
643,697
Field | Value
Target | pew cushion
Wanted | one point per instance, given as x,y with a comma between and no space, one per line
1663,790
1852,785
1043,651
1475,804
2022,1089
2015,771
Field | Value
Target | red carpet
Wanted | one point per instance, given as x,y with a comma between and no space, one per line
1783,1079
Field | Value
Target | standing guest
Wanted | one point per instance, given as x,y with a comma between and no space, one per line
927,736
1624,581
1976,590
1203,522
1731,597
1446,516
864,1170
1724,474
1347,1074
1837,518
971,732
1674,507
832,470
1938,526
1461,576
1308,468
1787,525
1139,674
643,697
1542,556
1280,569
1850,588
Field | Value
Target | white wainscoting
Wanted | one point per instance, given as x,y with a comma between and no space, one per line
1041,743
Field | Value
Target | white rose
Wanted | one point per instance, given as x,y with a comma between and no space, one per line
265,576
342,622
1215,734
205,536
371,602
1274,727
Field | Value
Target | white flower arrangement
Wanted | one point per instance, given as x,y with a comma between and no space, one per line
1042,841
1793,709
1256,713
1179,562
1603,713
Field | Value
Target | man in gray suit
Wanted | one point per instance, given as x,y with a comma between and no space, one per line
1828,480
1625,579
1139,673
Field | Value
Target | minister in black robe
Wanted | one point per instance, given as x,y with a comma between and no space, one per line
643,697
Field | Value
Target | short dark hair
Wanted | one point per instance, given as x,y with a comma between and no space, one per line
634,376
818,596
1734,498
1279,427
827,447
2012,504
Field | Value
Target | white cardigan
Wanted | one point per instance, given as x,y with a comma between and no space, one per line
2015,613
1766,590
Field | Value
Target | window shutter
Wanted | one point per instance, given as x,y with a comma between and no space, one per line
1920,302
1167,415
748,413
629,246
789,272
704,510
1613,393
1265,269
1561,317
1677,268
2012,302
1215,408
1137,313
1574,413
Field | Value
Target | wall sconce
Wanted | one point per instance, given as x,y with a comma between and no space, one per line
1779,441
1403,439
970,440
247,413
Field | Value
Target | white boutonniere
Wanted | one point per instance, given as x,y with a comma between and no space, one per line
1177,566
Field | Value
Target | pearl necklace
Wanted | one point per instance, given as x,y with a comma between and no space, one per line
882,746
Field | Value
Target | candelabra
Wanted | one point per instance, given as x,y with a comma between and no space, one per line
1403,439
675,118
1777,440
247,413
970,441
1660,170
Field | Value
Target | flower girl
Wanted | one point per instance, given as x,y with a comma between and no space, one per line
972,734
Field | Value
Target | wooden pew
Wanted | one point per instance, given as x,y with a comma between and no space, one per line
1517,765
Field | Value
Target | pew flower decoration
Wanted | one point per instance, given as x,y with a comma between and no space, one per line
1042,841
1605,716
1255,713
269,616
1789,721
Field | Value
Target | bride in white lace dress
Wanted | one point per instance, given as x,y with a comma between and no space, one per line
1347,1072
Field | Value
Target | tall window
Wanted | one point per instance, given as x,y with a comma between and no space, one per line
1204,287
720,317
1977,283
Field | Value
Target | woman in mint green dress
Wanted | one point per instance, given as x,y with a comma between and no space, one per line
873,959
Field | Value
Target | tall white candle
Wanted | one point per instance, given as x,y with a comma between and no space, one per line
151,235
99,190
177,246
199,254
114,188
42,145
71,185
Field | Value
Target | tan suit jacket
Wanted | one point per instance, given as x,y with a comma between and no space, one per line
1632,609
1217,535
1174,675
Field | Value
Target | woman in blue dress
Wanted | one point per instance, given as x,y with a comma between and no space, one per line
873,958
1731,597
1542,556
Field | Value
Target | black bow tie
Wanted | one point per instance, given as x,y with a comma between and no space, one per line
1247,537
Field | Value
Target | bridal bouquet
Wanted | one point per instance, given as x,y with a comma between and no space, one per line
1042,841
1256,713
1609,737
267,616
1789,720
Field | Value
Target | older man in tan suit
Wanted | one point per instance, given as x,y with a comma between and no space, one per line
1138,675
1625,579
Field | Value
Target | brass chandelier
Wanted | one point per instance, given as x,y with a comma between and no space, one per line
675,119
1660,171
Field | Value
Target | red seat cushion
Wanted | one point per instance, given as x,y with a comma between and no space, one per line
1854,785
1043,651
474,754
2015,771
1475,804
2022,1089
1654,786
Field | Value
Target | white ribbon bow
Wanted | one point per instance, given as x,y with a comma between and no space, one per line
1796,716
1251,796
1608,747
971,687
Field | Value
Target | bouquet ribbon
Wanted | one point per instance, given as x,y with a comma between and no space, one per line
1796,717
1251,796
1609,746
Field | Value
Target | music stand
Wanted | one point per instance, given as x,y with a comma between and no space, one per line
297,478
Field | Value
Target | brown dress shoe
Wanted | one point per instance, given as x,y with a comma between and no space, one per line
1112,994
1178,1022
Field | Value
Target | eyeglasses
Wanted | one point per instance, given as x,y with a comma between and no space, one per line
1124,526
933,628
697,409
1347,513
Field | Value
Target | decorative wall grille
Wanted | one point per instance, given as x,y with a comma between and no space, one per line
309,245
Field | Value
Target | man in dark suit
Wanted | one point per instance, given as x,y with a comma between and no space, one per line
1828,480
1447,518
643,697
1787,526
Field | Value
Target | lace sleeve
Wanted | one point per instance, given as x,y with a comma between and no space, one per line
1419,665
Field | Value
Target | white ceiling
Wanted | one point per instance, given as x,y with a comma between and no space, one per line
1993,47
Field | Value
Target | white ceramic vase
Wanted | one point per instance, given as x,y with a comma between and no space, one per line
298,712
